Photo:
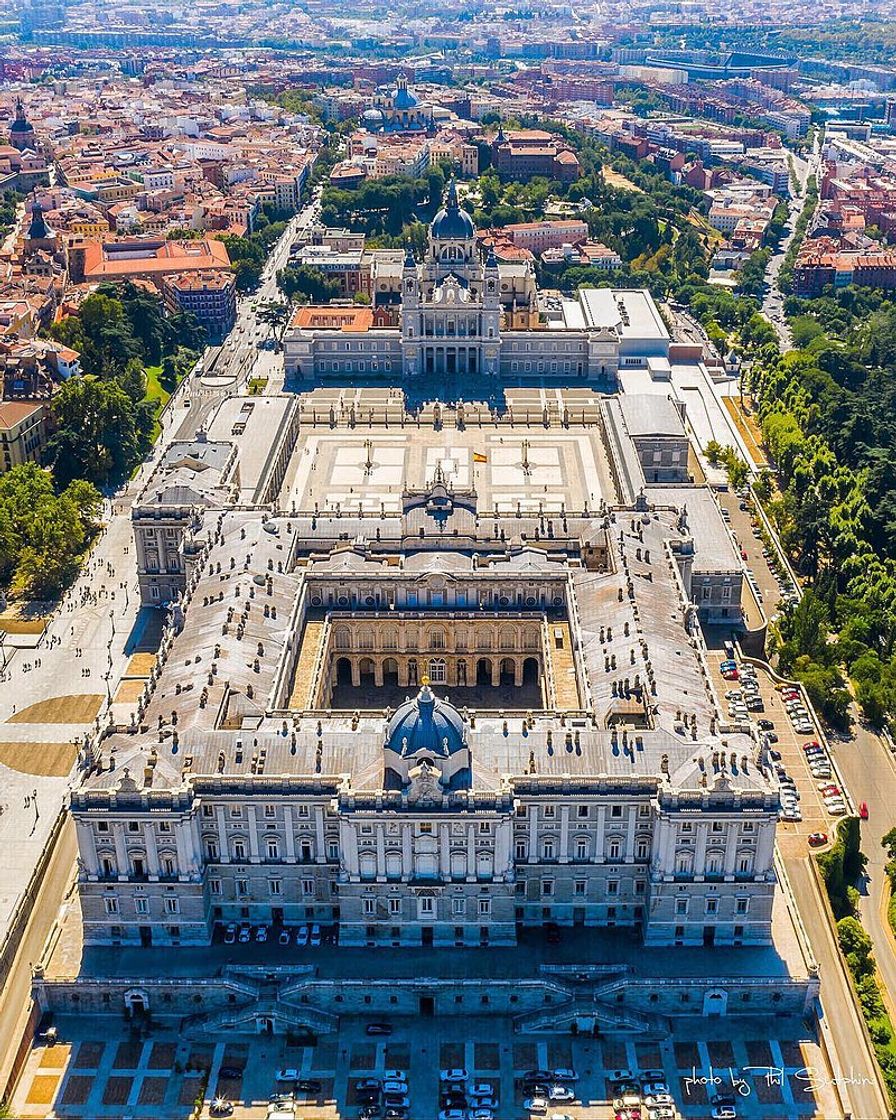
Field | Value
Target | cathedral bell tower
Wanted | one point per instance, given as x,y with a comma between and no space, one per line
411,318
491,315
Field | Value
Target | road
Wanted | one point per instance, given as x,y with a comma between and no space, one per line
59,692
773,299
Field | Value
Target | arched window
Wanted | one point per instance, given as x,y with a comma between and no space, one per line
684,862
342,638
745,862
437,670
547,848
437,638
714,862
582,847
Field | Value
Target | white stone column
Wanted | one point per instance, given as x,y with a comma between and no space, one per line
700,854
121,852
289,834
730,848
533,833
471,852
444,853
630,834
599,839
152,851
223,846
253,835
564,834
503,848
87,847
380,850
348,842
185,863
321,846
407,852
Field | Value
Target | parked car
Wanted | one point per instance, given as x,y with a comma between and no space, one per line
379,1028
309,1085
230,1073
261,934
230,934
302,936
565,1074
245,934
816,839
459,1075
315,935
220,1107
863,810
538,1105
395,1087
288,1074
561,1093
284,937
482,1089
765,725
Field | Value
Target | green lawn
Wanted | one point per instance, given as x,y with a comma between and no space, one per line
157,395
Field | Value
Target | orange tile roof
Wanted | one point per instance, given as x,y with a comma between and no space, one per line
349,319
101,261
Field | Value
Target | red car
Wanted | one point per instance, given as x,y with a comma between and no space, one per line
863,810
816,839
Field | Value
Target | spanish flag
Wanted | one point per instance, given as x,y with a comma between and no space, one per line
478,457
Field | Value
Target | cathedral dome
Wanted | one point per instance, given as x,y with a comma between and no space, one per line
425,724
452,223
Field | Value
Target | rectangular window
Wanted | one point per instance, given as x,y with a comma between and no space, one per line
547,888
307,887
395,906
275,886
582,811
214,886
615,810
681,906
712,906
172,906
579,888
111,905
368,906
613,886
485,907
270,811
549,812
426,906
141,905
242,887
236,810
459,906
742,905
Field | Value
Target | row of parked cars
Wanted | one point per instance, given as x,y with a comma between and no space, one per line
642,1098
288,935
544,1089
460,1098
795,707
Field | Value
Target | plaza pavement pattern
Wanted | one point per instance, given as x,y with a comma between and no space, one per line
101,1074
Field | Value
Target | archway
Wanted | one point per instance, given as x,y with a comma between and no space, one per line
715,1002
390,672
483,671
366,672
530,671
343,671
136,1001
508,672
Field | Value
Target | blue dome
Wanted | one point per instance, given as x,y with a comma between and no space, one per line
452,223
425,724
404,99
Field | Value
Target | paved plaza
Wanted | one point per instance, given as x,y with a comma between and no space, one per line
104,1074
367,469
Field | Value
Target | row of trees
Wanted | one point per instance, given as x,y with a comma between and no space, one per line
42,532
103,421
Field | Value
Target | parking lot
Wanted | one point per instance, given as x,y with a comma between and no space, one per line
792,835
98,1071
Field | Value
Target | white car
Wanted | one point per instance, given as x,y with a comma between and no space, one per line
658,1100
452,1114
565,1075
302,936
453,1075
315,935
538,1105
561,1093
398,1087
395,1075
724,1112
489,1104
482,1089
284,937
286,1075
261,934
